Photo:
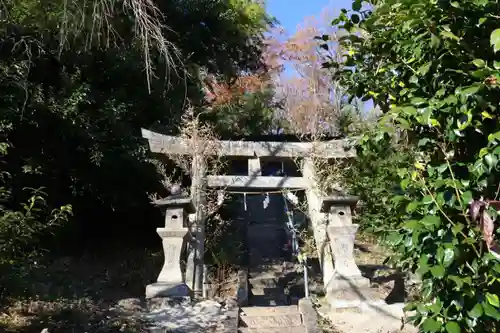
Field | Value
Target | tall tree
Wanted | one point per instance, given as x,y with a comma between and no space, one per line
311,103
79,79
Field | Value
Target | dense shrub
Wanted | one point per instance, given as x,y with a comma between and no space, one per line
432,67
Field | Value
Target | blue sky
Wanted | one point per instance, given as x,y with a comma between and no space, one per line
292,12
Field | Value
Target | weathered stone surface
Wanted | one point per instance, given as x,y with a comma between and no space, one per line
258,182
198,193
254,168
204,316
229,324
309,316
342,245
340,199
166,144
242,291
293,329
349,287
266,310
155,303
171,280
171,272
176,201
169,290
272,321
318,219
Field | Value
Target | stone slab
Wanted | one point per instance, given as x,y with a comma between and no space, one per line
293,329
261,182
353,297
265,310
156,303
309,316
338,200
175,201
167,290
347,284
169,233
272,321
230,323
166,144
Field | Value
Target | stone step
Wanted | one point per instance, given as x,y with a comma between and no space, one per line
263,283
266,310
266,275
283,320
263,301
293,329
267,291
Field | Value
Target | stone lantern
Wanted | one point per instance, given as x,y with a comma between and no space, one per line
175,236
347,288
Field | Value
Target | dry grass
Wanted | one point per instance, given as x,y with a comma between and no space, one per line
92,293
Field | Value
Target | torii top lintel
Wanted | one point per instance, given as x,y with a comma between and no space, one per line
166,144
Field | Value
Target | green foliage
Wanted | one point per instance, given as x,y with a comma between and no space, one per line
22,227
431,66
78,80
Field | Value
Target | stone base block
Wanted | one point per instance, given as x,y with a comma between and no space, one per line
340,283
351,294
153,304
167,290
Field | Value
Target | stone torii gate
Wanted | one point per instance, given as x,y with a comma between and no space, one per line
330,216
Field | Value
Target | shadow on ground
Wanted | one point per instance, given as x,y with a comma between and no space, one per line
93,293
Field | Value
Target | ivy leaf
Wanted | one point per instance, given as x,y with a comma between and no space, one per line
411,225
431,325
431,221
495,40
424,69
442,168
394,238
458,281
493,299
449,254
491,160
423,267
479,63
435,41
412,206
470,90
427,200
457,228
494,136
419,166
410,110
452,327
476,312
438,271
356,5
467,197
450,35
491,311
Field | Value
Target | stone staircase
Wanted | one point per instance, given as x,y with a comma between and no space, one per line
271,319
271,308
